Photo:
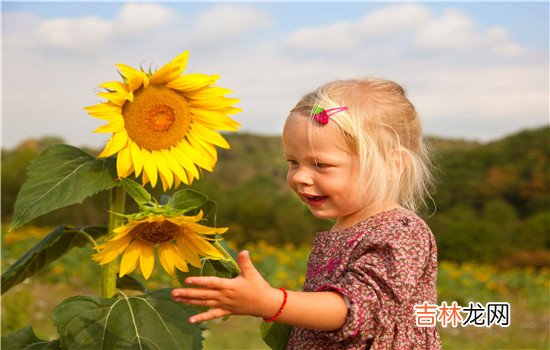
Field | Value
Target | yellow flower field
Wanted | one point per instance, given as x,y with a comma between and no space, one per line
526,289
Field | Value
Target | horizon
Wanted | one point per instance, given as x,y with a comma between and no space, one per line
252,133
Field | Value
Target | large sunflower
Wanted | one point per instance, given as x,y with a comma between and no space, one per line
179,240
163,123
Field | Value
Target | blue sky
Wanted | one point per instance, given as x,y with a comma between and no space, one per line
473,70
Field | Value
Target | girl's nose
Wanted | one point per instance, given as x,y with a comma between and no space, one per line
302,176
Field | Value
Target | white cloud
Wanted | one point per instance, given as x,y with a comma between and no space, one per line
455,31
394,20
74,34
331,38
374,27
226,22
138,18
91,33
411,26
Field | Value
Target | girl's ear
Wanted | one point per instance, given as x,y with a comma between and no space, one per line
398,159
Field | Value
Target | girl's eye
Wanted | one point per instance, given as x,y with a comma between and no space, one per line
321,165
292,162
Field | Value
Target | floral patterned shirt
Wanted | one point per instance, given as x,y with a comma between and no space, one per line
382,266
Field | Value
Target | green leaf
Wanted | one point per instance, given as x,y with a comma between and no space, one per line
60,176
275,334
210,209
25,339
53,246
187,200
129,282
150,321
136,191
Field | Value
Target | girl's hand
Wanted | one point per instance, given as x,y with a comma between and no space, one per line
246,294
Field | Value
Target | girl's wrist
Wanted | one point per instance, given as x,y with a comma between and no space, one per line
273,300
281,308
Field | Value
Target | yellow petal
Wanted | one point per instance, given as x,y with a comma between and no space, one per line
116,86
134,78
122,231
166,259
146,259
188,253
209,135
171,70
144,178
115,144
180,262
130,258
229,110
171,250
207,148
106,110
208,93
214,120
136,157
198,156
164,182
214,103
149,167
124,166
191,82
112,250
118,98
164,170
204,248
184,161
115,125
180,62
174,166
191,177
184,220
205,229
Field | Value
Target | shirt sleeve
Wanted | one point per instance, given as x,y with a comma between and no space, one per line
381,278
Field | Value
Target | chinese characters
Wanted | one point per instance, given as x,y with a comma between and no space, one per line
475,314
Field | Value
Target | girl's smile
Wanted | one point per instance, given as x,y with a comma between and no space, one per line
314,201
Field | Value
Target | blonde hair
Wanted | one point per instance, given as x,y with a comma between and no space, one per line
382,127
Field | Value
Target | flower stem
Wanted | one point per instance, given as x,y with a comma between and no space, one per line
227,256
109,270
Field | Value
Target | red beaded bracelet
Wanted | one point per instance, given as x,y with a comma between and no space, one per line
276,316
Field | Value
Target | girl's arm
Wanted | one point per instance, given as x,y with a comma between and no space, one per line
250,294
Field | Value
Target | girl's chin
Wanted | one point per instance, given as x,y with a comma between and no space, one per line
321,214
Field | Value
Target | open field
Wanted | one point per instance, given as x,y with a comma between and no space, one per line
526,289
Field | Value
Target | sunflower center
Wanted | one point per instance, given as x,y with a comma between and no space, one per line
157,119
156,232
160,118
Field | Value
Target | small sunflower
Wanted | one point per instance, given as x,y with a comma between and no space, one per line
179,240
163,124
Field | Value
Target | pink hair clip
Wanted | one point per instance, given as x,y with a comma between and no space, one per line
322,115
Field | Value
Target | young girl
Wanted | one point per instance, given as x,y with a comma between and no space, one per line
355,155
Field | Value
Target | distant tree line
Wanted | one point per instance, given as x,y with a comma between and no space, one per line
492,202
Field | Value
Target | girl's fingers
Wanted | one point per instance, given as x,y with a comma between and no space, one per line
193,293
209,315
208,282
245,264
198,302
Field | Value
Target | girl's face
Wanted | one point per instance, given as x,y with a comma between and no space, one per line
323,171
